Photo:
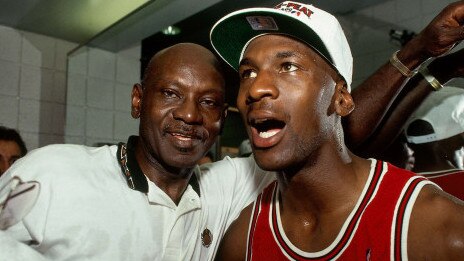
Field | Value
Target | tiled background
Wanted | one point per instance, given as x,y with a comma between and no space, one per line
98,100
86,99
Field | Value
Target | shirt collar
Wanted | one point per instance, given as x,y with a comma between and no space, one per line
136,180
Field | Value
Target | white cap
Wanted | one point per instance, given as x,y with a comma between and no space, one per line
444,111
315,27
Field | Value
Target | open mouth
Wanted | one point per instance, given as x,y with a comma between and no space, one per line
267,128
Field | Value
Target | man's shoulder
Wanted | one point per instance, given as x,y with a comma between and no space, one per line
62,159
228,164
437,225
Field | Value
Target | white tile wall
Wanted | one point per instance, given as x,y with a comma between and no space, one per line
78,61
31,139
75,121
124,125
33,85
9,106
99,123
76,89
122,96
58,93
102,64
31,81
29,115
38,50
10,44
98,95
9,78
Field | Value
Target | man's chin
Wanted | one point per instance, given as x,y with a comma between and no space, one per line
183,160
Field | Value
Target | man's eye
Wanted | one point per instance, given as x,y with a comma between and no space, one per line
248,74
169,94
288,67
209,102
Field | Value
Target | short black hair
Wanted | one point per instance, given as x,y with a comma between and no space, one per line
12,135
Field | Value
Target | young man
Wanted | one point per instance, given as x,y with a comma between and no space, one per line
295,74
12,148
435,132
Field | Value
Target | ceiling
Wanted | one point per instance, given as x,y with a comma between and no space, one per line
117,24
75,21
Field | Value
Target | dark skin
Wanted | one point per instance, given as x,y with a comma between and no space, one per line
444,68
379,124
9,153
325,173
171,173
181,108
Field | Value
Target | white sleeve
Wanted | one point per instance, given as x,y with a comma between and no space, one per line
242,181
23,215
12,250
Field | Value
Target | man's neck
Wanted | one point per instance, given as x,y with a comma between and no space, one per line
316,202
173,181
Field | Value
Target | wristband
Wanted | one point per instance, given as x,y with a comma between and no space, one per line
400,66
436,85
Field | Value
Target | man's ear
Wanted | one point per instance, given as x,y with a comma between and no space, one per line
344,103
224,116
136,100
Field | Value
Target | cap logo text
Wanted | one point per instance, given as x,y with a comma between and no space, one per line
295,8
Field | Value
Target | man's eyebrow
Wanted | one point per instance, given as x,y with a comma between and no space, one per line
280,55
245,61
287,54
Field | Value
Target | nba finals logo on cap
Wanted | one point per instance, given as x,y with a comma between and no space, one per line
294,8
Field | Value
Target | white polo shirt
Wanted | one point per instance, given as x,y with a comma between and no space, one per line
86,210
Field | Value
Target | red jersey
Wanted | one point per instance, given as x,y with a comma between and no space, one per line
451,181
376,229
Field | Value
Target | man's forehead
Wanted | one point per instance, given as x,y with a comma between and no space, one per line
291,48
10,147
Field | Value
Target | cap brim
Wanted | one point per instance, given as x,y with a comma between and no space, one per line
230,34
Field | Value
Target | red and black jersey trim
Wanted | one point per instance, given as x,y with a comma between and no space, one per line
349,232
251,232
439,174
399,221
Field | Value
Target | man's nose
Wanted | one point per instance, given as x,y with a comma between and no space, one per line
188,112
263,86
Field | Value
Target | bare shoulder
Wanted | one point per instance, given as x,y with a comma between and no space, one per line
436,230
233,245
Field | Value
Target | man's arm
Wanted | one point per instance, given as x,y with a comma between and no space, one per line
11,249
436,228
444,69
375,96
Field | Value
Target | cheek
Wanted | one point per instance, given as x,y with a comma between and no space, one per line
212,122
241,98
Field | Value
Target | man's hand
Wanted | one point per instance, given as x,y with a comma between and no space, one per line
437,38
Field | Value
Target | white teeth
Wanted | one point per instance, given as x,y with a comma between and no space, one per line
181,137
268,134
